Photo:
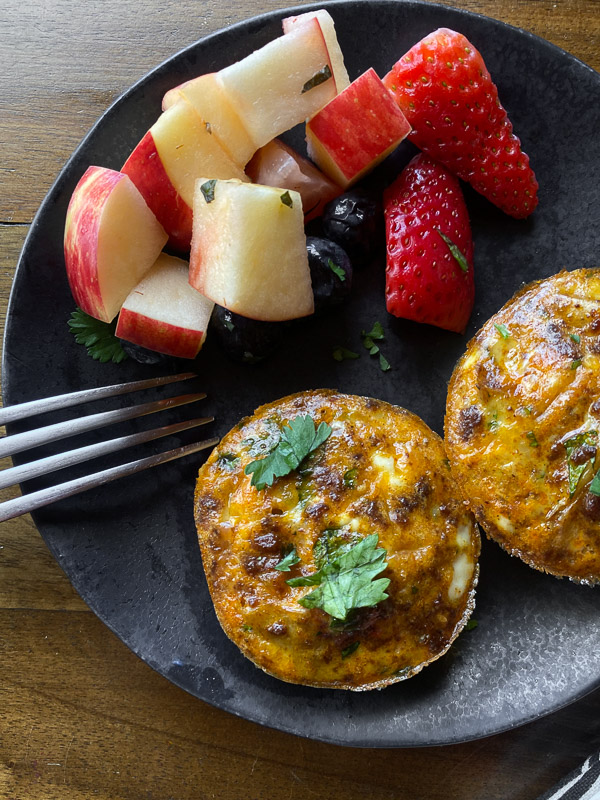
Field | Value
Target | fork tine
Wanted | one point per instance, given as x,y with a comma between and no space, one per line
44,466
23,410
29,502
50,433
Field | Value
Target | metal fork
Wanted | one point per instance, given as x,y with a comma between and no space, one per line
16,443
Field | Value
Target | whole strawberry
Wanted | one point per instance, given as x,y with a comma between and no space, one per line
445,91
429,274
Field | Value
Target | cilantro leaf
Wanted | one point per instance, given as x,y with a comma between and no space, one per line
376,332
576,470
384,364
350,477
457,253
317,79
595,484
298,439
342,353
208,190
97,336
347,579
288,561
352,648
341,273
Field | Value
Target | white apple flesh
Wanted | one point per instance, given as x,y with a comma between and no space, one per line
325,20
187,150
249,250
283,83
111,240
210,101
164,313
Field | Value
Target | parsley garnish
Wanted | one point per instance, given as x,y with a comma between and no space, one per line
342,353
297,440
456,252
471,624
369,338
318,78
575,337
595,484
208,190
341,273
287,200
576,363
533,442
346,579
352,648
228,461
288,561
577,470
493,424
350,477
384,364
503,331
97,336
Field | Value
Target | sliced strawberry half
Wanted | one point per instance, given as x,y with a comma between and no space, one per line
429,274
445,91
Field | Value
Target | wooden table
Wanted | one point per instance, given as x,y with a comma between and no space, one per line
80,716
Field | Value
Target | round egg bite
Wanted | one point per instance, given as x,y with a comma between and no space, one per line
380,471
523,423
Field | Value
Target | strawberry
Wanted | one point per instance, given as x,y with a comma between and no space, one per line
429,275
446,93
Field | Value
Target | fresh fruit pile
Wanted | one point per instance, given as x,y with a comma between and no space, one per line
211,181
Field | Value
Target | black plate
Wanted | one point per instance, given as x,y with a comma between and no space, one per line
130,548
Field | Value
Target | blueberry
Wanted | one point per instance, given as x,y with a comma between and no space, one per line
330,272
355,221
142,355
243,339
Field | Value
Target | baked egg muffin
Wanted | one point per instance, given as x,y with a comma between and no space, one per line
337,549
523,421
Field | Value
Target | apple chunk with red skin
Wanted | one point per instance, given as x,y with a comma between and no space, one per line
282,84
356,130
165,164
325,20
164,313
276,164
147,171
111,239
249,250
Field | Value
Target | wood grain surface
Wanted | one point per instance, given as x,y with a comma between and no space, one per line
80,715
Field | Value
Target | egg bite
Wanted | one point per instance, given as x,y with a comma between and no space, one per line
523,422
295,567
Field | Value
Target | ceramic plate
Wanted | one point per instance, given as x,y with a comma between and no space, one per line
130,548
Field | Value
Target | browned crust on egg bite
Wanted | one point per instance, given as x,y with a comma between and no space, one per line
401,489
523,425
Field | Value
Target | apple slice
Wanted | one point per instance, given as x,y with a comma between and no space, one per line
164,313
249,250
283,83
187,150
356,130
147,171
324,18
209,99
111,239
276,164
